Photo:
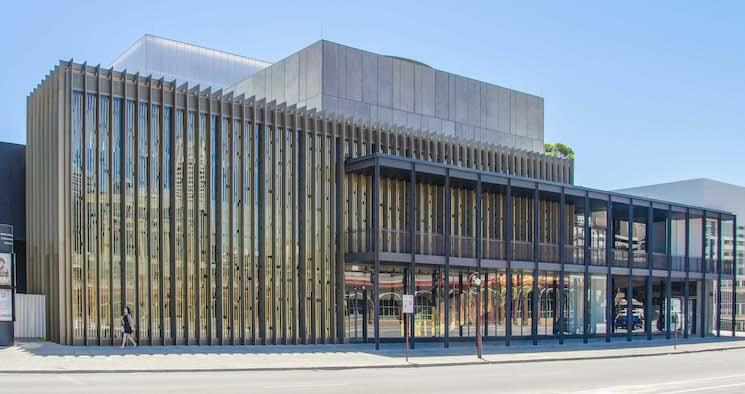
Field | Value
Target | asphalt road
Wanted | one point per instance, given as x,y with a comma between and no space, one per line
710,372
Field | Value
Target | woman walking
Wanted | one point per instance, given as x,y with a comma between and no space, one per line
127,327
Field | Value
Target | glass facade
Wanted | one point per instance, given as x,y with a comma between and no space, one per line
227,223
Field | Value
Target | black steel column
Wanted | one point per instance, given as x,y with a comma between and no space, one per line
649,308
536,258
609,242
446,198
376,245
630,260
586,255
734,275
669,265
508,257
704,268
719,275
479,232
562,262
412,244
686,283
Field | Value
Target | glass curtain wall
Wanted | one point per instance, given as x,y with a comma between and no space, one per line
549,292
359,306
495,289
522,303
462,303
392,288
429,303
598,231
598,299
574,306
549,227
658,309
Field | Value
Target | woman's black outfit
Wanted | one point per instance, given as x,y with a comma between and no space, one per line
126,325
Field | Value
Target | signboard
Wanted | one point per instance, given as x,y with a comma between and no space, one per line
6,238
6,305
6,270
408,303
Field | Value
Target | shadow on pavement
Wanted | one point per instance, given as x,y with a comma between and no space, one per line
422,349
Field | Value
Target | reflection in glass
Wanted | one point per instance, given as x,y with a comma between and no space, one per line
574,305
597,303
462,305
522,294
549,291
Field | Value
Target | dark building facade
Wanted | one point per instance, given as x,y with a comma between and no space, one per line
13,203
230,219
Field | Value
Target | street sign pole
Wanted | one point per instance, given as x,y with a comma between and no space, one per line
408,301
478,321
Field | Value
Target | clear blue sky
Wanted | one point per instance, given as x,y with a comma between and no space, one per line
644,93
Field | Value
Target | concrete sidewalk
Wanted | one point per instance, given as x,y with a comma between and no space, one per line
46,357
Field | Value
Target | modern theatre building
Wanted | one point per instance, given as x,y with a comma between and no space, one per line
228,200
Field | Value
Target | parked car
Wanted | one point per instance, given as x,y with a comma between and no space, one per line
623,322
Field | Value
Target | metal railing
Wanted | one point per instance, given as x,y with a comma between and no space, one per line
640,259
574,254
430,243
522,250
549,253
727,267
395,240
492,249
659,261
678,263
462,246
696,264
597,256
711,266
620,258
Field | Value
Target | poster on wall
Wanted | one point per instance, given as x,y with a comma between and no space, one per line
6,305
6,270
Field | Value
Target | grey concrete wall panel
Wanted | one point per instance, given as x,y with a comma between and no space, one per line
354,74
314,70
331,70
442,98
379,88
370,78
278,81
407,86
385,82
292,78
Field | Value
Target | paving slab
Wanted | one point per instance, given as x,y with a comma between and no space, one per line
47,357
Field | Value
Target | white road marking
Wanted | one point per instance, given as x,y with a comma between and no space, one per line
707,388
305,386
657,387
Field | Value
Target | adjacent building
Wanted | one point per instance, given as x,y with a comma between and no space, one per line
716,195
298,204
13,203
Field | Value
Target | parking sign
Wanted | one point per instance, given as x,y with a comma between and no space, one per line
408,303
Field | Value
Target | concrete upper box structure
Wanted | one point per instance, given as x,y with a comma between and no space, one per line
170,59
702,192
339,79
